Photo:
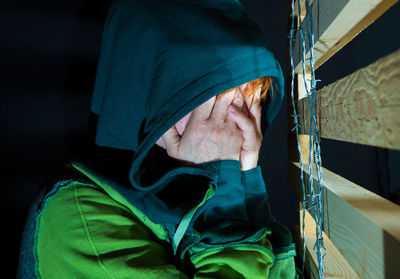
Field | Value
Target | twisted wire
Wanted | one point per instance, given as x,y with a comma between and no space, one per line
313,201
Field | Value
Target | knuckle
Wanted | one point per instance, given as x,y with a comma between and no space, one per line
202,124
217,129
198,126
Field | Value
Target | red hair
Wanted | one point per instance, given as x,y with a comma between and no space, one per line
254,85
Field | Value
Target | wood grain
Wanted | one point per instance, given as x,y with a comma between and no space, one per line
363,226
335,24
304,139
335,264
362,108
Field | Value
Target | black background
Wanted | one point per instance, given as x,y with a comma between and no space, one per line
48,58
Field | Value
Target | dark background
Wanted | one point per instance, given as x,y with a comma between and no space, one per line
48,55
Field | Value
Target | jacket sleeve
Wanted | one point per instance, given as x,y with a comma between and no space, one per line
237,227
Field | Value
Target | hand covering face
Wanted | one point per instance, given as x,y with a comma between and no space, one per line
161,59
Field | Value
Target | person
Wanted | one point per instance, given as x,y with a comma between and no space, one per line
172,189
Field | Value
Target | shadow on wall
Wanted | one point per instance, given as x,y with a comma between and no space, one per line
47,75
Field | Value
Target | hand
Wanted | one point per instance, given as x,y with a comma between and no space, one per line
208,135
248,119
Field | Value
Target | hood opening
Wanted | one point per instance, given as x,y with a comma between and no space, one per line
155,165
159,60
152,162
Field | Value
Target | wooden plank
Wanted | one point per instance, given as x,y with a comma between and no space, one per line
362,225
304,138
336,265
302,81
335,24
362,108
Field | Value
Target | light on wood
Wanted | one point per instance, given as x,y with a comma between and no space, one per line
363,226
303,8
335,264
303,84
362,108
337,23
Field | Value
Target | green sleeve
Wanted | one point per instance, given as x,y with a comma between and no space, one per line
249,261
83,233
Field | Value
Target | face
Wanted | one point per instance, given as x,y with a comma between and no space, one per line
181,124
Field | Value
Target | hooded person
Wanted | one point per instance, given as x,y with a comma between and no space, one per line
131,209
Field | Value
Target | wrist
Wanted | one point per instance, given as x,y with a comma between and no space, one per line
249,162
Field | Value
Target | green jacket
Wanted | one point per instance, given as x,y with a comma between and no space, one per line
159,60
83,228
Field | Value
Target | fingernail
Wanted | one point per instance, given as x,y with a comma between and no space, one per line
237,102
232,108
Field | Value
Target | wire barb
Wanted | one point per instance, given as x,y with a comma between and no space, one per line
311,202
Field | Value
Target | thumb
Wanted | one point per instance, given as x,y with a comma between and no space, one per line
171,140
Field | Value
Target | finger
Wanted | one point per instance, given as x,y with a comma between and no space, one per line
222,103
253,98
203,111
181,124
245,110
244,123
231,123
255,112
171,140
160,143
254,108
238,101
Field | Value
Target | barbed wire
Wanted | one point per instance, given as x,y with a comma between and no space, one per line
314,200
